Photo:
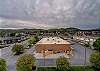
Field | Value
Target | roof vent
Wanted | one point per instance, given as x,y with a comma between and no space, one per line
58,41
48,39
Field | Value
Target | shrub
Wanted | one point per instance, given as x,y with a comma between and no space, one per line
96,44
87,45
18,49
32,40
25,63
2,65
95,60
62,64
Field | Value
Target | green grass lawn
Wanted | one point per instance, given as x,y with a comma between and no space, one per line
74,68
46,69
81,68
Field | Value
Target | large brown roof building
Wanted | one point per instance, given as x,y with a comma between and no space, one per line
52,45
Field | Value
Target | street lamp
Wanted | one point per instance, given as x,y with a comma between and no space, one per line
44,58
84,58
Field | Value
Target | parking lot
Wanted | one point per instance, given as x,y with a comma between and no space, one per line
78,57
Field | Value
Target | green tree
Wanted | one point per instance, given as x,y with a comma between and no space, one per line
96,44
0,41
2,65
62,64
95,60
18,49
32,40
25,63
2,34
12,34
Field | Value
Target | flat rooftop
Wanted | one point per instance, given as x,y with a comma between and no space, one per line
52,40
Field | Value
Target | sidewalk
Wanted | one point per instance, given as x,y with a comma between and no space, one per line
51,56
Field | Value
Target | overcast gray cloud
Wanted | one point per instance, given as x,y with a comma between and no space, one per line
49,13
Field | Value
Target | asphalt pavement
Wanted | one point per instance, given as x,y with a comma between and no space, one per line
78,57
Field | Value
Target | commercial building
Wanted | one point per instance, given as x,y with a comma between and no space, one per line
53,45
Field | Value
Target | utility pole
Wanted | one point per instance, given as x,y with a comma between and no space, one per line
0,52
44,57
85,59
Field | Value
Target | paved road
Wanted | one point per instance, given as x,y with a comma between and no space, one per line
10,59
77,59
6,53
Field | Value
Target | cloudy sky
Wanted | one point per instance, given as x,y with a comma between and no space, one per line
84,14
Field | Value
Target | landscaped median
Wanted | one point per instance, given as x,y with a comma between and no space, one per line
73,68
